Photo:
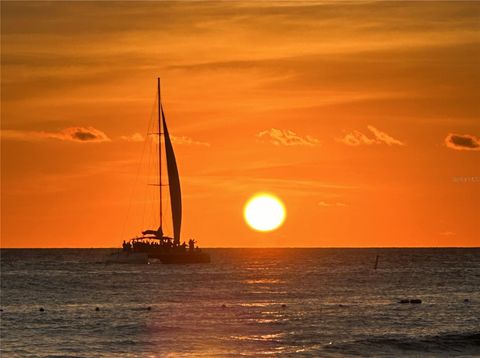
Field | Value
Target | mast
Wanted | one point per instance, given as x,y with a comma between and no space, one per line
160,150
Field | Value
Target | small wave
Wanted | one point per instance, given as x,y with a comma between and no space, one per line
466,343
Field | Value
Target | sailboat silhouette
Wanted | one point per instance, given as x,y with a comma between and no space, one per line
153,243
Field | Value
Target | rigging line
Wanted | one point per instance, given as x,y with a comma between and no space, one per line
151,196
168,227
160,114
137,174
156,143
148,167
156,210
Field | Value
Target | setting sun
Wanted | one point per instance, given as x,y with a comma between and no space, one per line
264,212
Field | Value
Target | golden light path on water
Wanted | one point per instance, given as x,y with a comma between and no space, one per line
264,212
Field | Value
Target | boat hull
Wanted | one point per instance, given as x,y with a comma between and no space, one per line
171,255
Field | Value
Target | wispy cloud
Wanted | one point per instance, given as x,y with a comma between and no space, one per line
287,137
247,184
180,140
72,134
462,142
336,204
184,140
135,137
384,137
356,138
447,233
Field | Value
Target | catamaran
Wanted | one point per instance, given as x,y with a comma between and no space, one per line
153,244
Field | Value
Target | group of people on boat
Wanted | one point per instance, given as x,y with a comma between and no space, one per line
163,243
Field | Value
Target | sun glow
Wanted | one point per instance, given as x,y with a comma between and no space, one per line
264,212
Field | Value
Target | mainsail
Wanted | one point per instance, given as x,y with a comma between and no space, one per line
173,182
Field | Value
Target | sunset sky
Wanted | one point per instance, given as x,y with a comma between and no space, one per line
363,117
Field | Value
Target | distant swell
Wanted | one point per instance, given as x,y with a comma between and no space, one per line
468,342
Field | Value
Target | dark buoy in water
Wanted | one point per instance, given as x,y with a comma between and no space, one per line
1,309
149,308
404,301
41,309
97,309
466,300
284,305
224,306
416,300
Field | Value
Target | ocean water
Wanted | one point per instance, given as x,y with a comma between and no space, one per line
247,302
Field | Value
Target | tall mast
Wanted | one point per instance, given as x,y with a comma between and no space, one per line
160,150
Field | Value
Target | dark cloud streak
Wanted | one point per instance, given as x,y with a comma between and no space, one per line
462,142
71,134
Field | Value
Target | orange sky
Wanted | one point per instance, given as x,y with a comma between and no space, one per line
363,117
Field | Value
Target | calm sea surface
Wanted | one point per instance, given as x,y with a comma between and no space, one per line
247,302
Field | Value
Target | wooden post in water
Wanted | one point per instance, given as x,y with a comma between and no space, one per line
376,262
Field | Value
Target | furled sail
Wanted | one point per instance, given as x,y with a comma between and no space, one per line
174,183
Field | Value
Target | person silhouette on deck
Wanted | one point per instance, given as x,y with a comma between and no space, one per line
191,244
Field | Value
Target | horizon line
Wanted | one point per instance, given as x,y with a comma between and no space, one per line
262,247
